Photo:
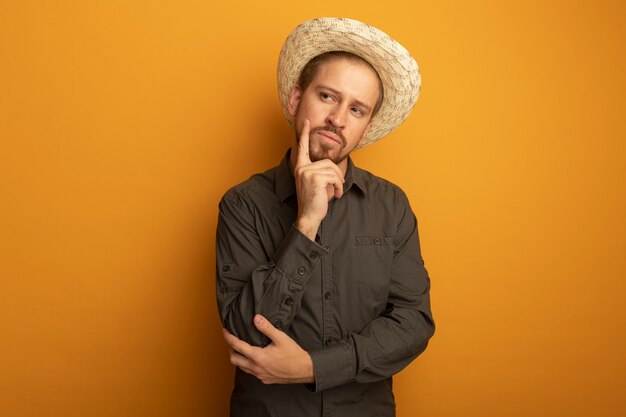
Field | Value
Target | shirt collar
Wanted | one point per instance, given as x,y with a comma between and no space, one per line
354,176
285,182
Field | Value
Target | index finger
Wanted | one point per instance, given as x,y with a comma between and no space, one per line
303,144
237,344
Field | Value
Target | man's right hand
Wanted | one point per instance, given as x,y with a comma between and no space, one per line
316,184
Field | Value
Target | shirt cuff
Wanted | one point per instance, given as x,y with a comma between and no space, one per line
297,256
333,365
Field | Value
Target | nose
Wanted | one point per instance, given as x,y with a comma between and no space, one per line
337,117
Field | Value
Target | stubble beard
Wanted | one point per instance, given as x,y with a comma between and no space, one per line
319,150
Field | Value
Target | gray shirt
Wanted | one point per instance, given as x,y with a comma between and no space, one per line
356,299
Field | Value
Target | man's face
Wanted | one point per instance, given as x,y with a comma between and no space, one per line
338,103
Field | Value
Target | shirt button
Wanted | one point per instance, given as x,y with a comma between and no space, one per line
289,301
313,255
377,241
278,324
327,342
301,270
327,296
226,268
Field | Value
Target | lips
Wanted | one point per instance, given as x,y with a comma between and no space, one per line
331,136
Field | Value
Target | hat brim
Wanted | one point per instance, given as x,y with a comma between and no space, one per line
396,67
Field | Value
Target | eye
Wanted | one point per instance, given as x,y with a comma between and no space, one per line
357,111
326,96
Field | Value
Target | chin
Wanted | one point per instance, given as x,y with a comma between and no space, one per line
334,158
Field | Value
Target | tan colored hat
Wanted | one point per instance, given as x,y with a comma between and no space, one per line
396,67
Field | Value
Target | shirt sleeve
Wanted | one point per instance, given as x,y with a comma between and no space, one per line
249,281
396,337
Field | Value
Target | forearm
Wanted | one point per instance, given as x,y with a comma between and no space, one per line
383,348
273,288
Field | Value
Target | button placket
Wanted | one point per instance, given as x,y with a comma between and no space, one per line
327,278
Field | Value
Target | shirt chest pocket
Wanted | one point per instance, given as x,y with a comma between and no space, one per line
372,264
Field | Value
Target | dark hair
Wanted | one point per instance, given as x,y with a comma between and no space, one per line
310,71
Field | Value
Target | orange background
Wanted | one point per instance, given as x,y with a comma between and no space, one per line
122,123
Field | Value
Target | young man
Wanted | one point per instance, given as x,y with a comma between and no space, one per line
320,282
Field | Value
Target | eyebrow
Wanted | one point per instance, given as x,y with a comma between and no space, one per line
358,102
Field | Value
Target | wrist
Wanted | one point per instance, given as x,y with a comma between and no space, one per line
307,227
309,374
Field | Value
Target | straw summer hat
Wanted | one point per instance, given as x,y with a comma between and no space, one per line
397,69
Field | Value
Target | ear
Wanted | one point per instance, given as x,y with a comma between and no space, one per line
294,99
